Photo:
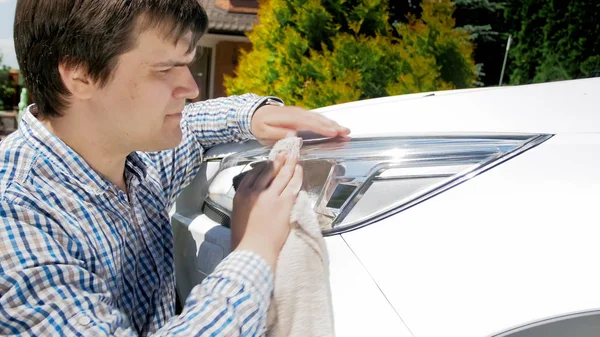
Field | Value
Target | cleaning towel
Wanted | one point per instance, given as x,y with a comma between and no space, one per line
301,304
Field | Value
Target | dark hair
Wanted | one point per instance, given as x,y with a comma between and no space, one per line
91,34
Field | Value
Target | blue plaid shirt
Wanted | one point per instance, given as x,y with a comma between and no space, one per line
80,257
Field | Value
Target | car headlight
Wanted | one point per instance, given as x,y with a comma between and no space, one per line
354,182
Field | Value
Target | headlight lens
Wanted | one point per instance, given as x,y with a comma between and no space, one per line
352,183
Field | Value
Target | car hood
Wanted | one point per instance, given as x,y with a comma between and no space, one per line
558,107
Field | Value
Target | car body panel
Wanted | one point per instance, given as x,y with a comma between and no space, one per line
510,246
361,308
516,244
200,244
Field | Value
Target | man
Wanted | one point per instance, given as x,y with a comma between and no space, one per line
87,180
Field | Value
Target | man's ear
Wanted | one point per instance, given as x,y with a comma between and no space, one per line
77,81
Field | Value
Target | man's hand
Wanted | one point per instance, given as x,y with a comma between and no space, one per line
262,206
271,123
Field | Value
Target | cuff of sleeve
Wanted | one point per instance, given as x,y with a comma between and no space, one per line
248,268
248,111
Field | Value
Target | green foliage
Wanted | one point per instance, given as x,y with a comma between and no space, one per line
591,66
483,20
315,53
551,69
6,88
554,40
433,47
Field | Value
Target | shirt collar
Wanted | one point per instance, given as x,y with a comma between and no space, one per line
53,148
136,166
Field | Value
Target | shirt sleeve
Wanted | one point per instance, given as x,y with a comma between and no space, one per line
204,125
46,288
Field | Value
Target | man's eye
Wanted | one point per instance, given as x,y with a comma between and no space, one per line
165,71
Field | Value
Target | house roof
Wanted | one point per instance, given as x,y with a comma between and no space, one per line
14,74
231,16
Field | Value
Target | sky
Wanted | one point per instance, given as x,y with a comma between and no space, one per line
7,17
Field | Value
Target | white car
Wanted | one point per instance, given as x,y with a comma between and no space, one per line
466,213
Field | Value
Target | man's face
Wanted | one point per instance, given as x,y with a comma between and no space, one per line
140,107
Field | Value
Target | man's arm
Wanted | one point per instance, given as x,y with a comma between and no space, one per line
204,125
222,120
46,289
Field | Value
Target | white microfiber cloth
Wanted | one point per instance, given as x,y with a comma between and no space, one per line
301,304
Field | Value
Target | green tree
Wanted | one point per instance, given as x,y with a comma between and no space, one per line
485,23
6,87
432,44
554,40
321,52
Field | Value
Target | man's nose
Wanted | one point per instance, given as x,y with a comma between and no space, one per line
188,88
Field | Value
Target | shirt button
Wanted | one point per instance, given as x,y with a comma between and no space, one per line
84,320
